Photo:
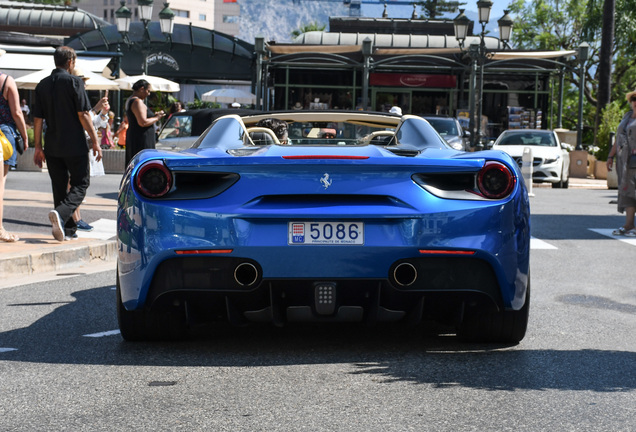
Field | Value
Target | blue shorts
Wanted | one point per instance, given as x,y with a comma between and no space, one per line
10,132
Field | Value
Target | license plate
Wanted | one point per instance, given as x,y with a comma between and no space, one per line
326,233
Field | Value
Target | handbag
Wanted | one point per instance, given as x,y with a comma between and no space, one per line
7,147
631,163
19,143
96,168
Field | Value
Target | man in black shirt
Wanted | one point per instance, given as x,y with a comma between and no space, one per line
61,100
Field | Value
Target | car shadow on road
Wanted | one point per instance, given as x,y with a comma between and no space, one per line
428,356
109,195
572,227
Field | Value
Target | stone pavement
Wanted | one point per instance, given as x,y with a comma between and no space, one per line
38,253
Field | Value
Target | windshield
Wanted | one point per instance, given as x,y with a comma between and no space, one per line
444,126
333,133
545,139
177,126
414,133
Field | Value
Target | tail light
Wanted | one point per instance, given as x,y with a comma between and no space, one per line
154,179
495,180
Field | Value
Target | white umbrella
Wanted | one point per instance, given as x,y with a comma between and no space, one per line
156,83
94,82
228,95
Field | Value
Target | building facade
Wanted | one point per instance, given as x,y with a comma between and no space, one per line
374,64
220,15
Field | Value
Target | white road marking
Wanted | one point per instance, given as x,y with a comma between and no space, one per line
608,233
103,334
7,349
535,243
103,229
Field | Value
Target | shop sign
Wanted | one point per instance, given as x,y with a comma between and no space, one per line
412,80
160,57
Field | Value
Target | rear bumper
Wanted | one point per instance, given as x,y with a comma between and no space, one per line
213,288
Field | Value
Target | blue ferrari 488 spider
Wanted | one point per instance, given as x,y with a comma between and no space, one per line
326,216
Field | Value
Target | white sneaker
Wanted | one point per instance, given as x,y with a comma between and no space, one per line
56,224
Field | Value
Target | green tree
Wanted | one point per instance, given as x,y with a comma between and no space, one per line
564,25
433,9
624,51
605,60
312,26
611,116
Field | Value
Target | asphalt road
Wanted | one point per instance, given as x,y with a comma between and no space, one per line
63,366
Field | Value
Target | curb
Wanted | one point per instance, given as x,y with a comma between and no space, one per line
57,258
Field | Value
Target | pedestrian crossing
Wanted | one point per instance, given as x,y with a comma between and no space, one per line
537,244
608,233
103,229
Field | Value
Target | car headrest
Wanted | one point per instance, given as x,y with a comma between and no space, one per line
261,138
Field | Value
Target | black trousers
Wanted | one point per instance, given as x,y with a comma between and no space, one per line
63,171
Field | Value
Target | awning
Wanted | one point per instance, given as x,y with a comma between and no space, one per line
95,81
27,63
156,83
413,51
325,49
35,62
510,55
229,95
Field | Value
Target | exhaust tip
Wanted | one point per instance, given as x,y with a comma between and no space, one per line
405,274
246,274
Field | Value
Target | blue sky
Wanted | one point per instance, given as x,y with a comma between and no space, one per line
405,11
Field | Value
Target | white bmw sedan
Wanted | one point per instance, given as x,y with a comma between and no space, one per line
551,161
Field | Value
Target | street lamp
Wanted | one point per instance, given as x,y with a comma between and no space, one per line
505,24
367,50
259,47
478,55
123,15
584,54
166,22
145,10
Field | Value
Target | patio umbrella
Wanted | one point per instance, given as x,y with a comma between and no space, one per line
94,82
228,95
156,83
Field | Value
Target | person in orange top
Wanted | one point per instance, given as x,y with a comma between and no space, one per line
121,132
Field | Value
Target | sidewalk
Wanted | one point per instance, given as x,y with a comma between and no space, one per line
584,183
35,253
39,253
